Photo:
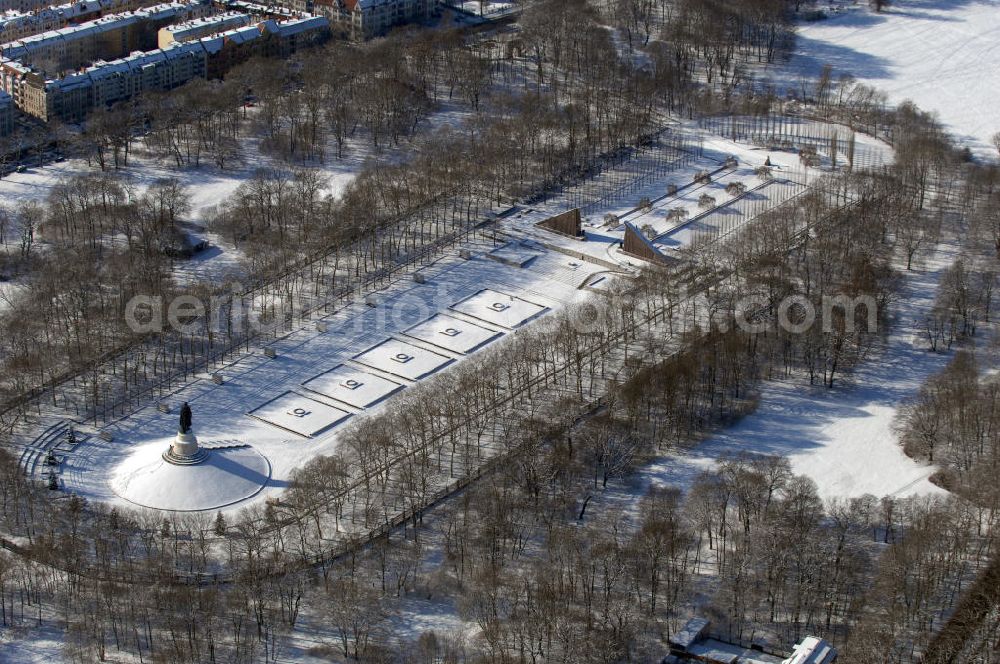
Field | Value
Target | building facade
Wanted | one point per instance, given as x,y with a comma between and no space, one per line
105,38
71,97
23,6
364,19
16,25
6,114
201,27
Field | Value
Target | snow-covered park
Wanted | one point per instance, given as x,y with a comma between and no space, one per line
943,55
842,438
469,426
274,411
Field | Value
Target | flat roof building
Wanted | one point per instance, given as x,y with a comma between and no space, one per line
16,24
693,643
71,97
812,650
201,27
105,38
23,6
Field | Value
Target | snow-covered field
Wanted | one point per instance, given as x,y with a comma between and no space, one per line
206,185
842,438
942,54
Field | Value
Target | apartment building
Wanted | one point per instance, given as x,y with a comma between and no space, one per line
201,27
72,97
105,38
6,114
23,6
364,19
16,25
263,11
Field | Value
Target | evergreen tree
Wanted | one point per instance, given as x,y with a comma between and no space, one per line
220,524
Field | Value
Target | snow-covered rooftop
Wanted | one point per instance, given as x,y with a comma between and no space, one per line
259,8
812,650
23,47
12,18
187,29
299,25
133,62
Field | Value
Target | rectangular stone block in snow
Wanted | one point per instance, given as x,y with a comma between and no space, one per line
402,359
299,414
499,308
452,334
354,387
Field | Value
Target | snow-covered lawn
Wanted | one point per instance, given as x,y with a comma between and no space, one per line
226,476
35,645
206,185
842,437
354,387
402,359
942,54
299,414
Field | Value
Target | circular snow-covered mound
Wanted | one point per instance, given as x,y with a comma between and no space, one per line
225,476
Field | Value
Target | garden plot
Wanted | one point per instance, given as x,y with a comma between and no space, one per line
355,387
402,359
499,308
299,414
452,334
